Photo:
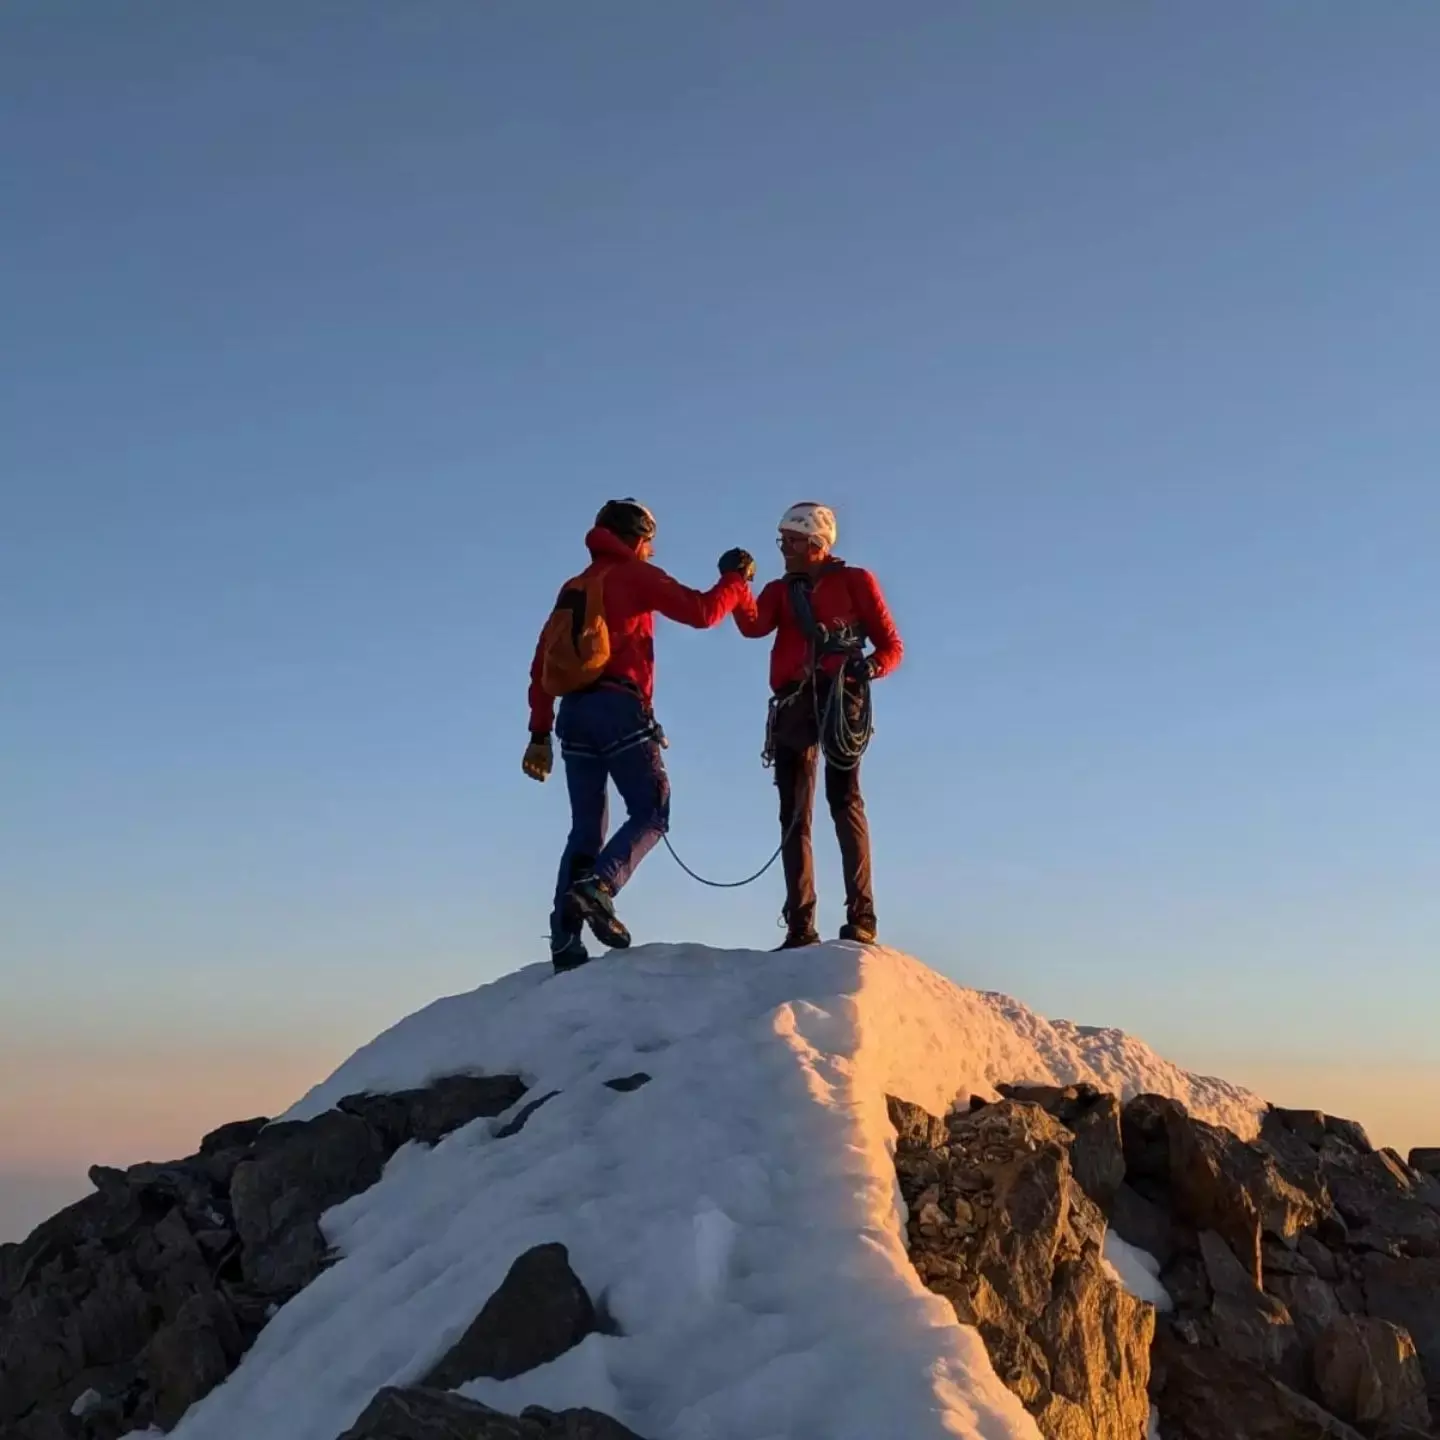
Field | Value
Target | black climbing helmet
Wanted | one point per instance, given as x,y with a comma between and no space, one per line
628,519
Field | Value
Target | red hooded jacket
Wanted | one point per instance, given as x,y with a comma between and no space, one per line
843,595
634,590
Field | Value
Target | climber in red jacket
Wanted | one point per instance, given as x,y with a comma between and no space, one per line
822,613
607,729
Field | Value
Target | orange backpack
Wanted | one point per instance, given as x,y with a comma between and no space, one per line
575,644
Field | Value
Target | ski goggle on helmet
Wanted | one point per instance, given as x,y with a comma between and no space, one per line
814,522
628,519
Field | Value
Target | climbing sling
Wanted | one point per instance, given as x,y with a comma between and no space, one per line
845,720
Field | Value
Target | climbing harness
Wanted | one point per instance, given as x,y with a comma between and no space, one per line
843,737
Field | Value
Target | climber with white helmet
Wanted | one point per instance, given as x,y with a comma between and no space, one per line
823,613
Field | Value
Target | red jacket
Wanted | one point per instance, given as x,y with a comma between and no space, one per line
634,590
843,595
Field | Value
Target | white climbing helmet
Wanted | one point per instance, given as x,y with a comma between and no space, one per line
816,522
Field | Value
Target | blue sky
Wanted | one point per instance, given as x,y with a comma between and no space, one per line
1110,334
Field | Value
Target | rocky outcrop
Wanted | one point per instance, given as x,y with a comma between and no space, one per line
294,1174
1405,1292
1210,1396
540,1311
1367,1372
126,1308
999,1225
1097,1149
418,1413
1302,1265
1338,1309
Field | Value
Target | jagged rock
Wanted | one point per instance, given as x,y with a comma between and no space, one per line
1350,1132
1143,1224
1220,1183
999,1226
1368,1372
1307,1126
1385,1204
1407,1293
1277,1258
42,1426
1311,1301
1097,1153
1321,1257
540,1311
1426,1159
418,1413
237,1135
1186,1280
624,1084
916,1128
90,1289
296,1172
138,1291
191,1355
1204,1394
1258,1328
430,1114
1226,1274
1145,1131
1247,1323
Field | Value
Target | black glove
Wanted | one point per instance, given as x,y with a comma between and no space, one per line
738,562
860,667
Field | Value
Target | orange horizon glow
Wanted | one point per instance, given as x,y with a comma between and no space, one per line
63,1109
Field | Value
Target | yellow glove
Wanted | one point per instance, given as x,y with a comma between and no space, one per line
539,759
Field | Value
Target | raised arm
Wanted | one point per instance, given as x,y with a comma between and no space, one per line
879,626
700,609
760,618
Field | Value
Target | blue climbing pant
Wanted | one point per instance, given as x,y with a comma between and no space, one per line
609,734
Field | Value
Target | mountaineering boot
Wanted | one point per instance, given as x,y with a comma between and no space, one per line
567,952
861,931
799,939
800,928
591,900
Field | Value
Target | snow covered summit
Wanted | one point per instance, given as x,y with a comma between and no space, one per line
736,1214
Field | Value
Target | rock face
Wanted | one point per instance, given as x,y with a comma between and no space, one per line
1302,1266
1406,1293
1097,1151
1367,1372
144,1296
417,1413
294,1174
1209,1396
1307,1298
1000,1227
540,1311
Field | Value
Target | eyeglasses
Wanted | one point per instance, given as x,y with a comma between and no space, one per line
789,540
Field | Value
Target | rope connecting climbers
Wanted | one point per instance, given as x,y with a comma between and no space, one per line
844,721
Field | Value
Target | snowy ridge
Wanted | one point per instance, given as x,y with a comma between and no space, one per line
738,1214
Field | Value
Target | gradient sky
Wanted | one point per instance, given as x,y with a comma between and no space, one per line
326,325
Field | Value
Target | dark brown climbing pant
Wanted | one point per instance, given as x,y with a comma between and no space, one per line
796,743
